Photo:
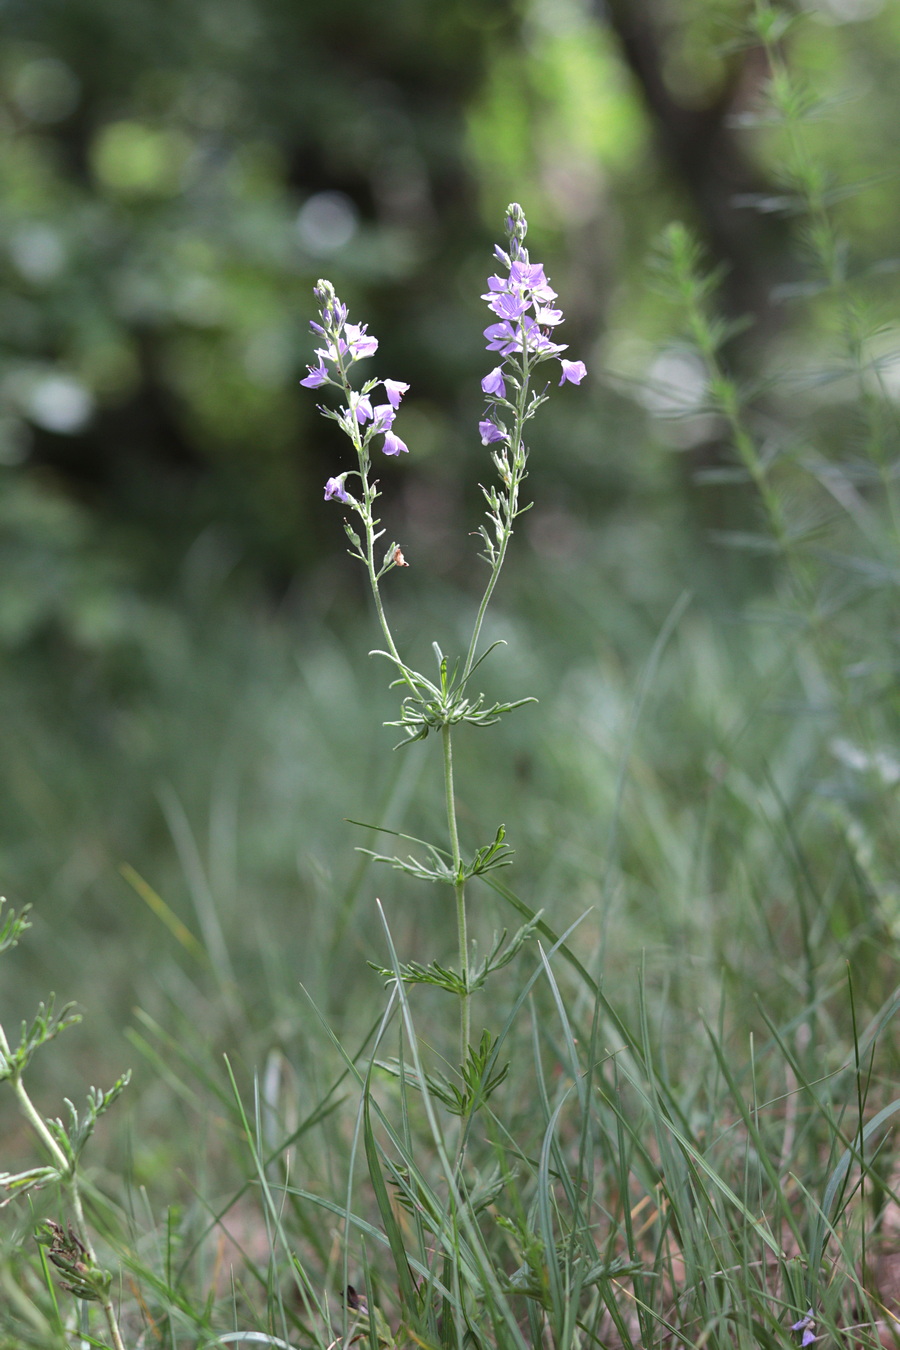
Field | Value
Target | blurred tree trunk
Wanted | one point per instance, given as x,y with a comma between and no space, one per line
705,155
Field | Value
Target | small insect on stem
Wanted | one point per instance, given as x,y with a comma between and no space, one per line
399,560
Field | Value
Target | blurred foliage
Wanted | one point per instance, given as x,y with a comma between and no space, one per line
177,176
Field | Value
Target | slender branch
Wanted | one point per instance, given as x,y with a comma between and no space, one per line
109,1311
366,514
511,511
40,1128
459,888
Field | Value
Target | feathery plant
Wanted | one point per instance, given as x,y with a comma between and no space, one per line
806,492
825,498
69,1249
825,492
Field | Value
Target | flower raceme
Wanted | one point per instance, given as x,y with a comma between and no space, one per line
522,302
362,417
523,333
343,345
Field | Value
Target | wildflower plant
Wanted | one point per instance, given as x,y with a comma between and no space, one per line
638,1178
522,335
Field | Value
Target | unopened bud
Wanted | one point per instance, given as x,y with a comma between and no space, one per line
516,224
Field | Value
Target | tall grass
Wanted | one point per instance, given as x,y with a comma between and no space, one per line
677,1125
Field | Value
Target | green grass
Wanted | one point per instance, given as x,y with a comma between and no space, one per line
669,801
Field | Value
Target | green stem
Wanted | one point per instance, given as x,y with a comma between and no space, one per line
373,583
504,512
459,888
40,1128
486,600
118,1343
365,513
511,511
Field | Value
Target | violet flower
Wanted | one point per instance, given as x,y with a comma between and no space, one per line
393,445
317,375
523,304
362,407
335,488
383,417
573,371
395,389
358,341
489,433
493,383
807,1325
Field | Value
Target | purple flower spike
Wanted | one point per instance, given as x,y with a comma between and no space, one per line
493,383
490,433
395,389
573,371
393,445
317,375
335,488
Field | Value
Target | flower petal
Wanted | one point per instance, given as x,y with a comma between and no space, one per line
573,371
493,383
335,488
317,375
393,445
489,433
395,389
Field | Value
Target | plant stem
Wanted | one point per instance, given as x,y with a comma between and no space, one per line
486,600
118,1343
366,515
373,580
39,1126
459,888
106,1302
504,509
368,519
511,511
